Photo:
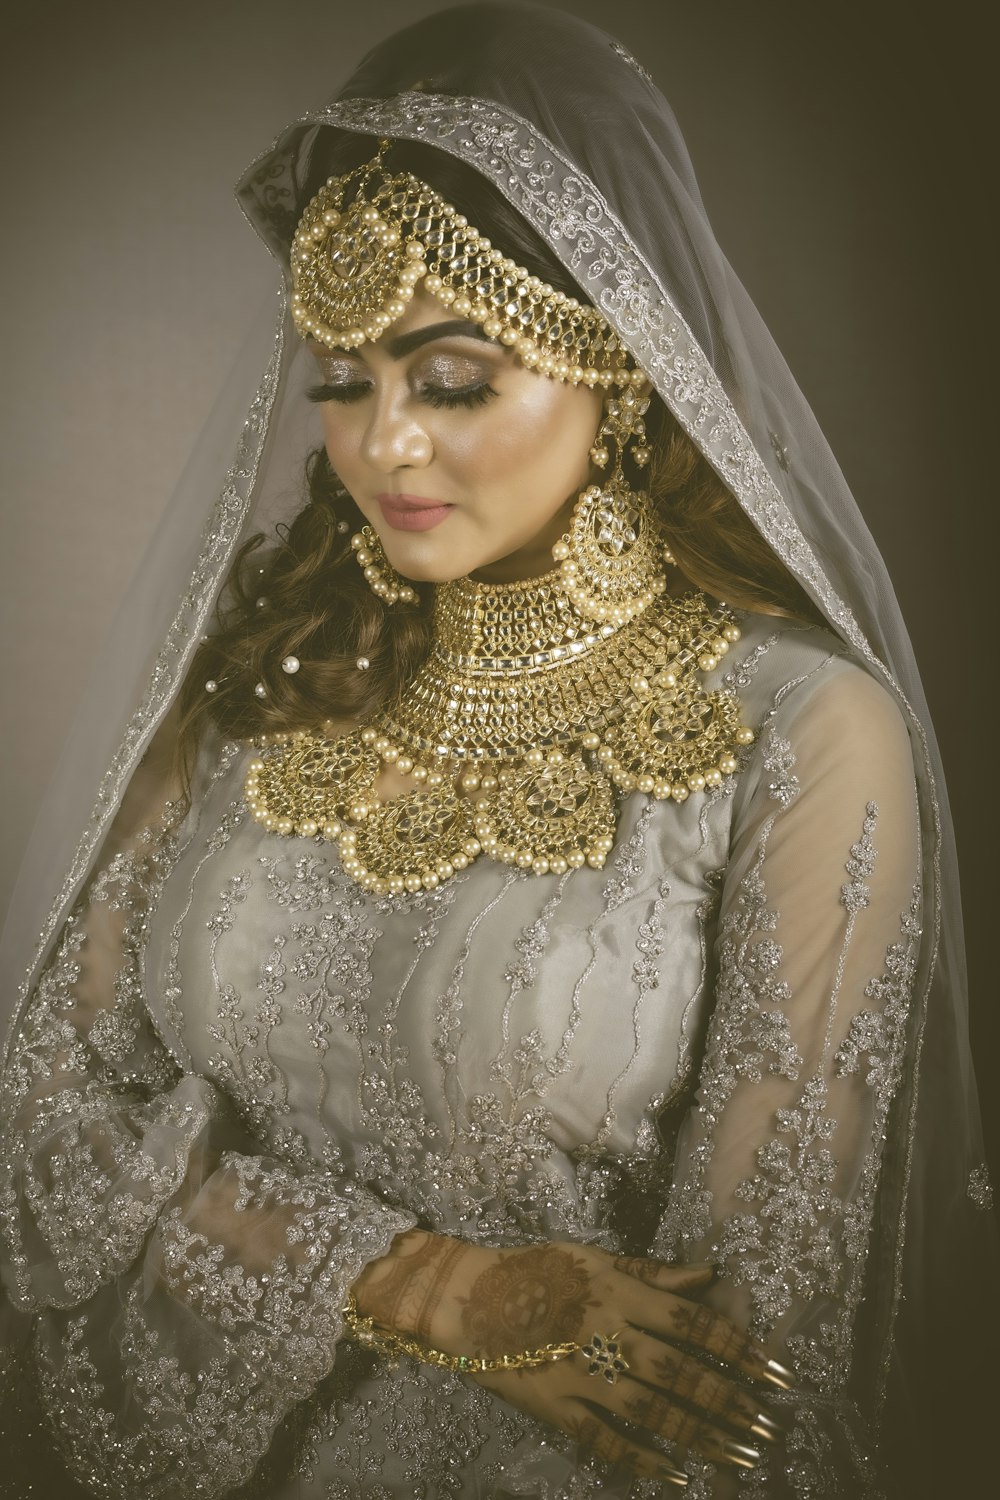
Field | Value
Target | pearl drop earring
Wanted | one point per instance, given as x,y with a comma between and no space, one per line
382,578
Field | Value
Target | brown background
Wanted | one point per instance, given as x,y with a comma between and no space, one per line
842,157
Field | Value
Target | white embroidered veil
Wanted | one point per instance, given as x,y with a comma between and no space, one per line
574,133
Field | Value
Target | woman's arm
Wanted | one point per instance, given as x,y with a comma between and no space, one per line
778,1161
187,1289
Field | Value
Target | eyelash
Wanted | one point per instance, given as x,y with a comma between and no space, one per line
434,395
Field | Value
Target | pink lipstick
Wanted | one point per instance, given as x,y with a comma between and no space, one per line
412,512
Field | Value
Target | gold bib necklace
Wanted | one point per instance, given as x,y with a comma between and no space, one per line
520,732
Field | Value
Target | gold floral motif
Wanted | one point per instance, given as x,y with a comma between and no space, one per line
314,785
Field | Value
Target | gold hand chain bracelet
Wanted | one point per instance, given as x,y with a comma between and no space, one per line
387,1342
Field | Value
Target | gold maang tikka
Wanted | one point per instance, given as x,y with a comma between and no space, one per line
370,236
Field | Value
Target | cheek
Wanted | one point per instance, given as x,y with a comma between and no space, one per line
542,436
337,436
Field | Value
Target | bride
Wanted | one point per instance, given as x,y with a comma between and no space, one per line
475,1049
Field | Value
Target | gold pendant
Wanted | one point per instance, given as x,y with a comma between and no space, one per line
312,785
412,842
678,740
551,812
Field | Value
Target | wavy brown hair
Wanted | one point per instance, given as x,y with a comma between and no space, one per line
301,593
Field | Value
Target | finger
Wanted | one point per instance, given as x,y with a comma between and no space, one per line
611,1442
654,1412
668,1277
681,1398
701,1328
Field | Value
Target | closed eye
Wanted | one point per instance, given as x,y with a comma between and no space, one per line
435,395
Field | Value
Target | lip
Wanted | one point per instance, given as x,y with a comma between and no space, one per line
412,512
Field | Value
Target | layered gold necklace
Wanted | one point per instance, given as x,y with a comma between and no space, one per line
521,731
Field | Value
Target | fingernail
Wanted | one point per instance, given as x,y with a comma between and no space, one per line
778,1375
740,1455
673,1476
765,1427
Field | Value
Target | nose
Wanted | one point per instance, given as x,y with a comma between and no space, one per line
395,438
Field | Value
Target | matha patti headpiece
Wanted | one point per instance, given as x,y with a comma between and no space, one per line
368,237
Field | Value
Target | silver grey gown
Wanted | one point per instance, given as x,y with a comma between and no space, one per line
242,1075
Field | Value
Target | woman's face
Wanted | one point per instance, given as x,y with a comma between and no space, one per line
462,459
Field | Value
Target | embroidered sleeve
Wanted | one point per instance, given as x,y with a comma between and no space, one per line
778,1160
186,1290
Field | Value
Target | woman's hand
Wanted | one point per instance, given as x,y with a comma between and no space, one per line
464,1299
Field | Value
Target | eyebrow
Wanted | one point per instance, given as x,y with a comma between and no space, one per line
405,343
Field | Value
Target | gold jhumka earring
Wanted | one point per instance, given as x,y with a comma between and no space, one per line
540,703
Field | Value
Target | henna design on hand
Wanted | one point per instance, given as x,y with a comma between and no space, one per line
707,1399
637,1266
528,1297
695,1323
406,1296
601,1440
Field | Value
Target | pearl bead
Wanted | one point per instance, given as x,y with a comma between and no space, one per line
404,764
211,686
540,866
412,883
260,690
290,664
744,736
362,663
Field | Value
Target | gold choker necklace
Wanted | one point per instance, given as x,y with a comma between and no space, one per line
520,732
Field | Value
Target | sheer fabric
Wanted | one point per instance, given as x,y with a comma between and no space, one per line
499,1060
791,951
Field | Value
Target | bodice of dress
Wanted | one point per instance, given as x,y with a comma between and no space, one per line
690,1052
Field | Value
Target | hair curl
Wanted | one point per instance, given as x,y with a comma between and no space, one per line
304,595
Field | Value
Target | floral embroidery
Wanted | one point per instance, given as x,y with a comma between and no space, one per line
980,1189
